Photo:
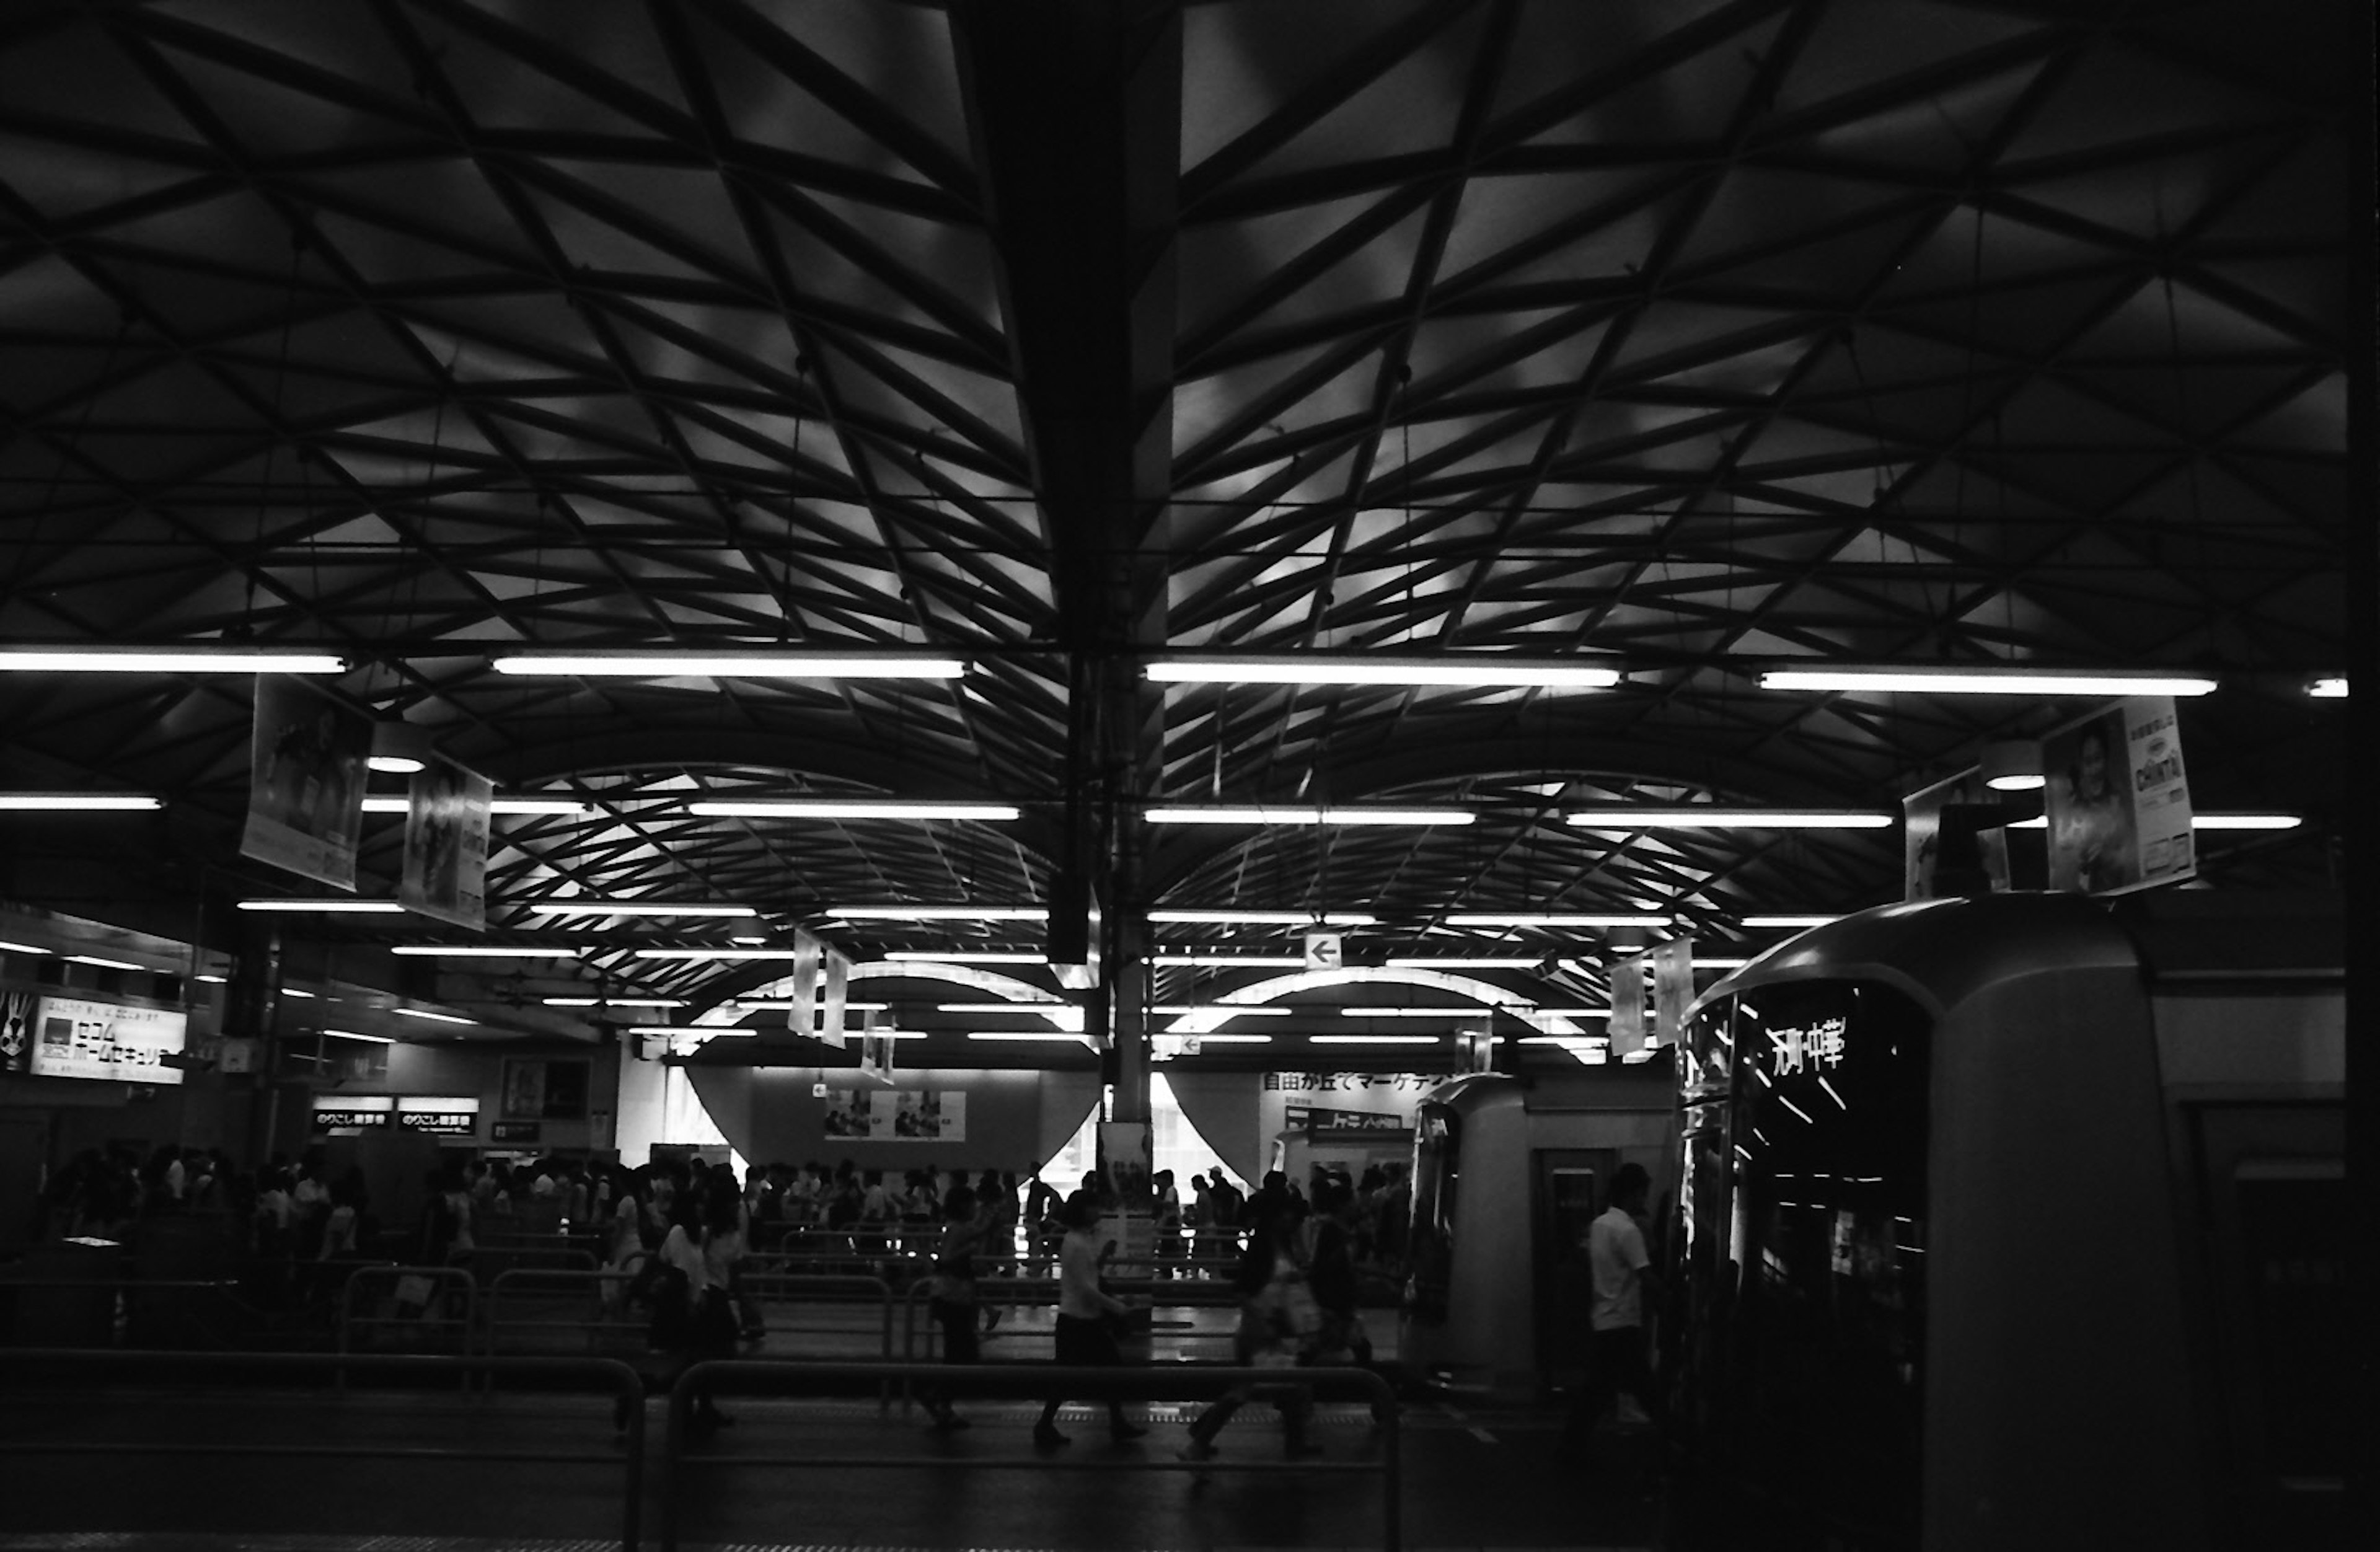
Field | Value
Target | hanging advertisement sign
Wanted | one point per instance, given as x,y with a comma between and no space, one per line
832,1000
2118,799
305,781
78,1039
446,844
1921,827
16,1011
802,996
1626,1027
1673,990
876,1048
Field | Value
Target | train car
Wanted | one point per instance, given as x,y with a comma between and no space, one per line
1507,1174
2016,1221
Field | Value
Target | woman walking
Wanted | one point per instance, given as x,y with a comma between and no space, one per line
1088,1314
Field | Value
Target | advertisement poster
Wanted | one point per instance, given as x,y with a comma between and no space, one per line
879,1115
1921,824
1673,990
1627,1025
1125,1155
875,1049
76,1039
446,844
801,990
831,1000
17,1032
305,781
2118,799
535,1090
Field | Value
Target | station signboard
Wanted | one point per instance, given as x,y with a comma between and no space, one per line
439,1116
349,1115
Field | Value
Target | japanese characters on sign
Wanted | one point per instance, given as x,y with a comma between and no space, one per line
77,1039
1817,1048
1351,1082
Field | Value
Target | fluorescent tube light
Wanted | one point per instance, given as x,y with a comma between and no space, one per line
1015,1037
366,908
104,963
1729,963
1213,1038
732,665
296,992
968,956
594,907
394,765
1474,1010
436,1018
1557,918
211,981
1003,1008
477,951
1565,1012
69,803
1375,1040
939,913
1813,920
1989,681
352,1035
707,1031
1714,816
1228,1010
35,948
1261,814
173,659
777,1007
1217,960
1568,1042
1483,669
1459,961
849,808
2246,821
2328,689
383,803
613,1001
713,954
1265,919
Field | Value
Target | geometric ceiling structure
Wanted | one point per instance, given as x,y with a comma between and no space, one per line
1691,338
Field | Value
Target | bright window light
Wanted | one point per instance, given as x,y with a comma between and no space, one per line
1264,918
1988,681
366,908
1268,814
2328,689
1713,817
849,808
435,1018
1462,962
479,950
1375,1039
70,803
967,956
740,666
1812,920
181,659
1484,669
1219,960
1556,918
593,907
613,1001
939,913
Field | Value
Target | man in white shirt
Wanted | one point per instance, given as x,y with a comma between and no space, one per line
1618,1359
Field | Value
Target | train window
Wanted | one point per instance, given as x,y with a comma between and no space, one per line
1805,1256
1429,1255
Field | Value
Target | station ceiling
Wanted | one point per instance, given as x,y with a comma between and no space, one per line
1691,337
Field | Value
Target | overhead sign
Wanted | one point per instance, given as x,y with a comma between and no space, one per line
515,1131
1626,1025
352,1114
446,844
439,1116
1324,951
307,755
2118,799
875,1049
1347,1125
802,997
837,993
78,1039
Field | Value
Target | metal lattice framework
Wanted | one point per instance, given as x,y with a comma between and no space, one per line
1699,336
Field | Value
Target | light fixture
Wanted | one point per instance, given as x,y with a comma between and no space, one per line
775,1007
849,808
1812,920
399,748
1566,1040
1556,918
353,1035
104,963
78,803
1714,816
2328,689
1265,919
211,981
2012,765
1482,669
36,949
364,907
1565,1012
1989,680
477,950
1215,1039
435,1018
1227,1009
1460,961
590,906
1004,1008
939,913
1266,814
299,993
715,953
613,1001
1217,959
1472,1012
2199,821
168,659
1025,1038
1375,1040
1727,963
967,956
387,803
732,665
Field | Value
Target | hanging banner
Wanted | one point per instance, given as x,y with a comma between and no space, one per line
1920,825
2118,799
306,780
1627,1025
78,1039
876,1048
1673,990
802,994
446,844
837,993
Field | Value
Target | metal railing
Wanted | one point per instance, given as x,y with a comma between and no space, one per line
1121,1383
598,1319
451,1305
16,1364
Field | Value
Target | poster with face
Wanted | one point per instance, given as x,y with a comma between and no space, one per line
850,1112
1921,827
2118,799
306,753
446,844
17,1032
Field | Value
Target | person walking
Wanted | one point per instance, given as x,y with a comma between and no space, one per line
1087,1316
952,1295
1617,1355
